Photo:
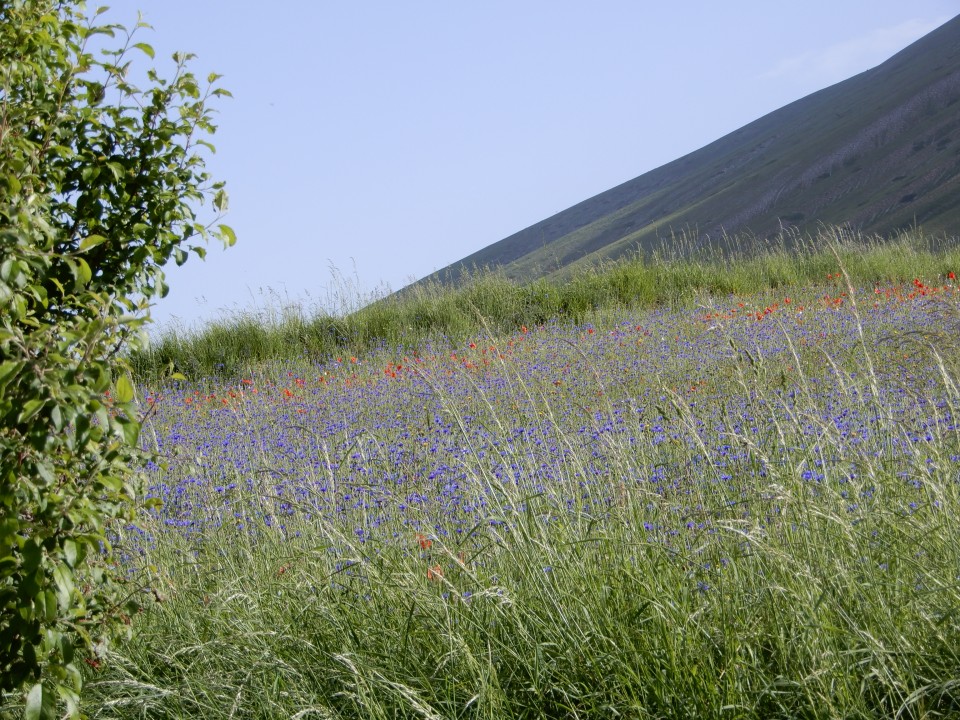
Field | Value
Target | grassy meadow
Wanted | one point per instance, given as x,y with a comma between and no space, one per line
716,487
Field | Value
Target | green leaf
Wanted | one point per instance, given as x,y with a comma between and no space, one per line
124,390
40,604
70,552
32,555
56,418
67,648
49,605
40,704
130,430
116,169
227,234
45,472
112,483
70,696
30,409
147,49
80,271
63,577
221,201
91,241
90,173
7,372
12,183
84,275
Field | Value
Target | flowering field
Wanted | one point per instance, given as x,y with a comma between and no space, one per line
745,508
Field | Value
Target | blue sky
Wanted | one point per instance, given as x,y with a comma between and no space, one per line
385,140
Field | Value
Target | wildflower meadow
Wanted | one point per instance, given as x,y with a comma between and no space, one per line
742,505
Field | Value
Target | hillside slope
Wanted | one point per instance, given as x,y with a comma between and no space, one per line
879,151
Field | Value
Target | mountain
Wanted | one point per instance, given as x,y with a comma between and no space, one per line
879,152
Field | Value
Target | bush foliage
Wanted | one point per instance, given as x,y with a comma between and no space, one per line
100,185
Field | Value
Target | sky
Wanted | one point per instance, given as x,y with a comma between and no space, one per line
368,144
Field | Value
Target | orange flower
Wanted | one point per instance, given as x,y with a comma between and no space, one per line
434,573
424,541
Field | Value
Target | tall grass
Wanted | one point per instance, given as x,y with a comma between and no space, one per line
736,507
678,274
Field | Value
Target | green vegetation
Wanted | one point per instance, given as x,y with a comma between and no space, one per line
722,505
99,184
677,274
698,483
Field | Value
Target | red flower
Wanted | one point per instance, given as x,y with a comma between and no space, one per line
951,275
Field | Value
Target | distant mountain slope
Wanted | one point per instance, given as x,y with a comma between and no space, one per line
879,151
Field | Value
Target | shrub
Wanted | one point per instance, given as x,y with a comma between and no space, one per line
100,185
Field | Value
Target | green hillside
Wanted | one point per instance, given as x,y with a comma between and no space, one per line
879,152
